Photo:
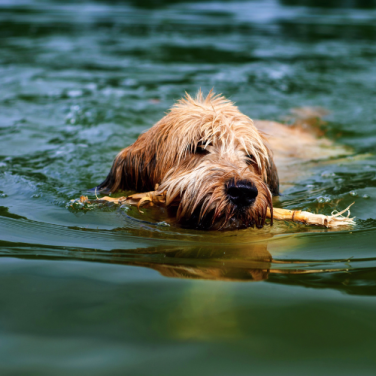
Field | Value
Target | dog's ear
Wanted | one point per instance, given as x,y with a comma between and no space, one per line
132,169
272,179
117,177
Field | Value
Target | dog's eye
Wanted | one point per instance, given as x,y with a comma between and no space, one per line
250,159
200,149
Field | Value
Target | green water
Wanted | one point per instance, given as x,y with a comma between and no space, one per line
112,291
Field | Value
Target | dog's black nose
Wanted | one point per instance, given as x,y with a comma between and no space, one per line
242,193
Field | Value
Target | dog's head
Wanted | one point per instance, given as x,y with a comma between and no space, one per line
209,159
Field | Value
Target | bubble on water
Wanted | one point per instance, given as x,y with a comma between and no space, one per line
129,82
276,74
91,86
2,164
366,196
75,93
323,199
353,193
84,116
36,195
328,174
3,195
340,180
163,223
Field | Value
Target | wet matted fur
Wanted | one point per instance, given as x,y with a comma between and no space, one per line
209,158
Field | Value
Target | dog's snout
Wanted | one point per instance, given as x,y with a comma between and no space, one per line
242,193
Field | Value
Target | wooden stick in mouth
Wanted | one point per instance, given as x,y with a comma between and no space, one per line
335,220
330,221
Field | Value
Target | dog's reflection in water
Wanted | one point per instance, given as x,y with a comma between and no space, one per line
246,262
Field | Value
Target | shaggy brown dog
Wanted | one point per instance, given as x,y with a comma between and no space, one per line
207,156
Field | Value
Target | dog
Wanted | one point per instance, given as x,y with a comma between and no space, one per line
214,165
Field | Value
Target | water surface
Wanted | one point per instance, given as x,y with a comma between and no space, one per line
109,290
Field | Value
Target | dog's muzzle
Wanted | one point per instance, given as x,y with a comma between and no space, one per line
241,193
